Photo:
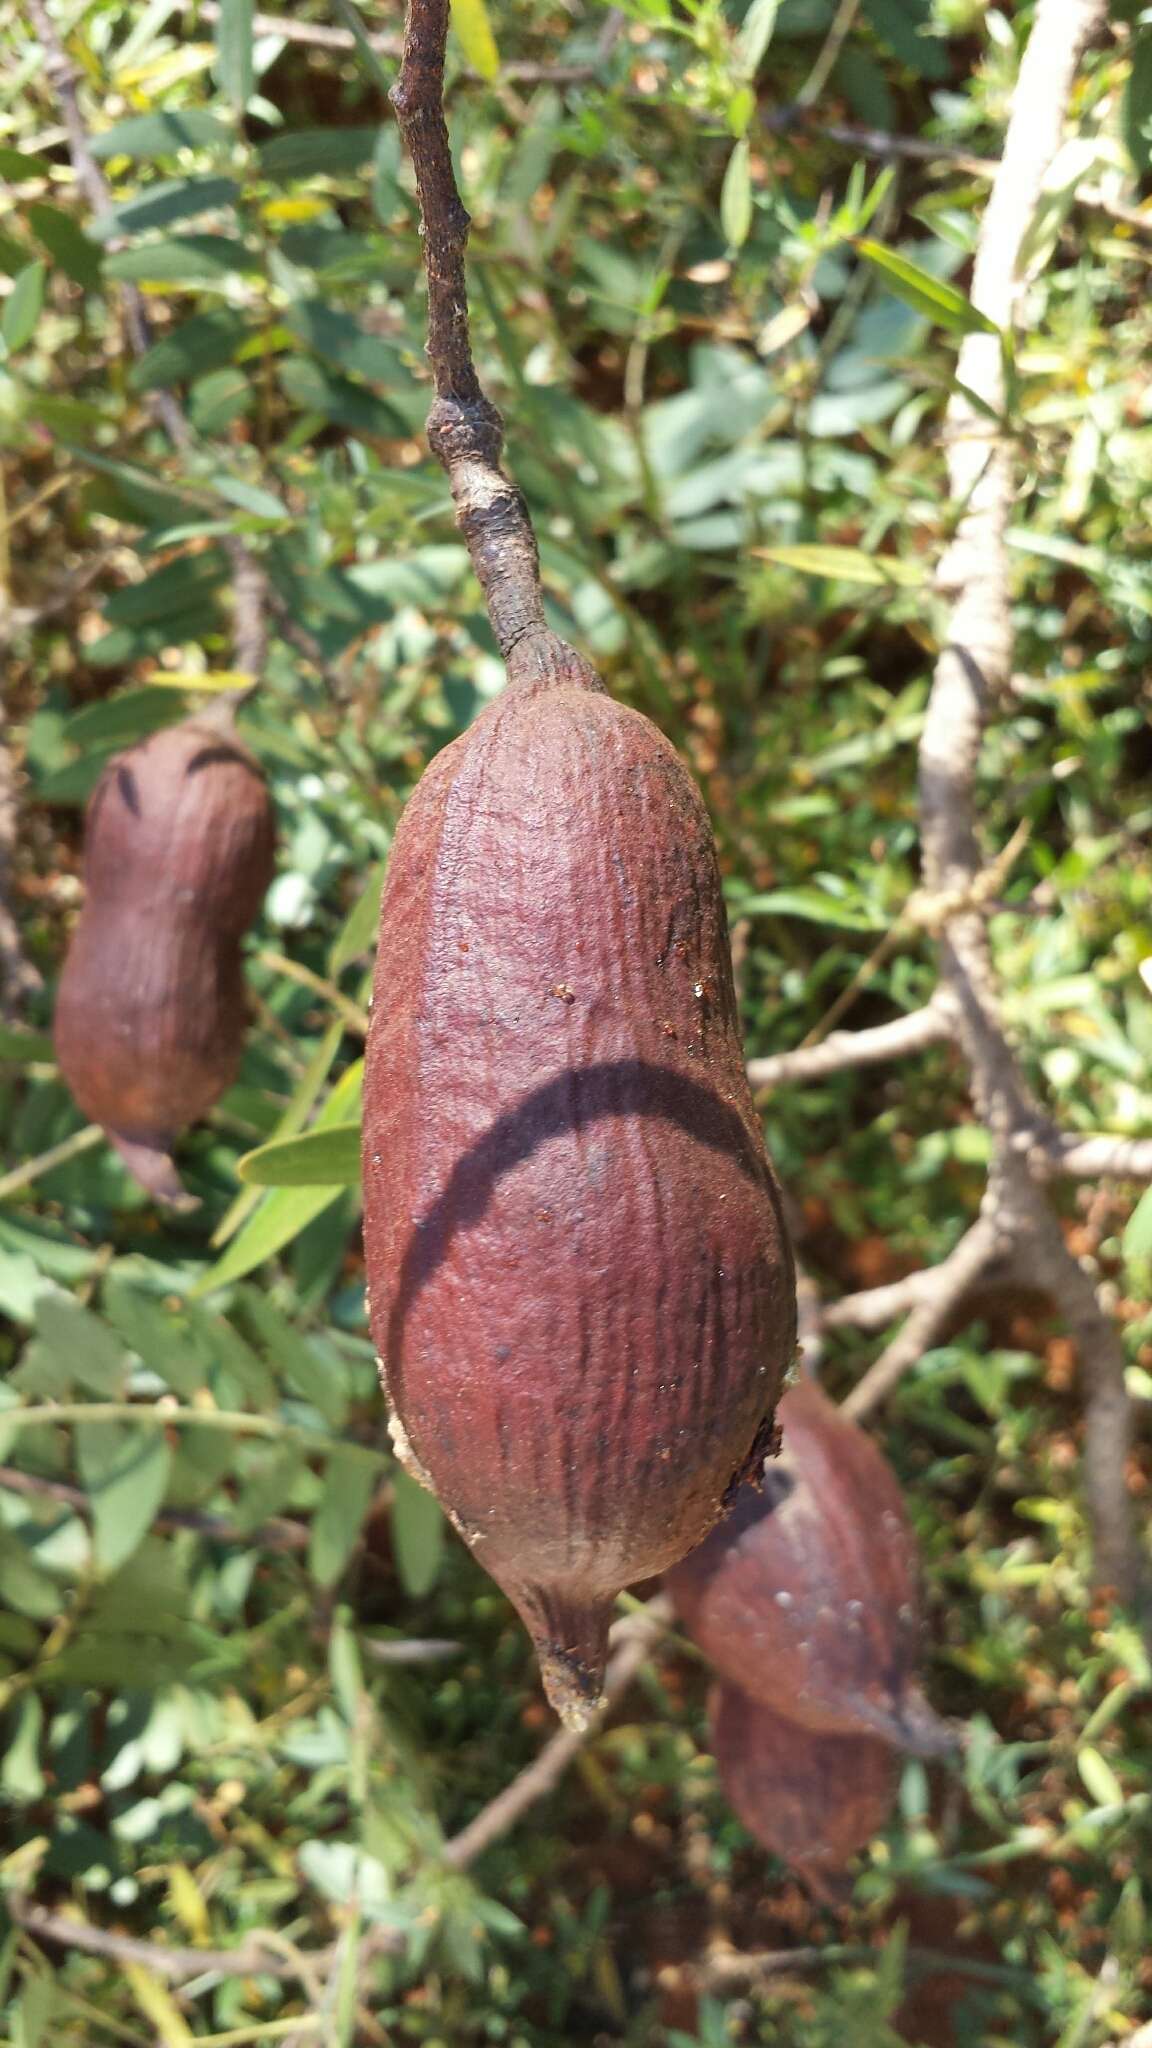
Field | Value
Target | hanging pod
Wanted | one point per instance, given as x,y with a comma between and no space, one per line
151,1009
807,1595
581,1288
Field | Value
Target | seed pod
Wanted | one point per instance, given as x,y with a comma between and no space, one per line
580,1283
151,1010
807,1594
813,1800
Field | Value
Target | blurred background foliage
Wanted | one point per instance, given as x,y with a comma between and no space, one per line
247,1683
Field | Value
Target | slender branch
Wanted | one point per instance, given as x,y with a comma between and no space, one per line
1099,1155
253,1958
294,970
57,1155
949,1283
168,1413
18,978
278,1534
313,35
465,431
636,1636
844,1049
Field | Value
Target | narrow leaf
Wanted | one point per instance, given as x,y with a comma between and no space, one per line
323,1158
926,294
848,565
358,933
22,307
1137,1240
417,1534
125,1473
474,35
234,35
348,1487
736,196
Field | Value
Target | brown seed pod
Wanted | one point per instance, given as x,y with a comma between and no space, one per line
151,1011
807,1595
580,1283
813,1800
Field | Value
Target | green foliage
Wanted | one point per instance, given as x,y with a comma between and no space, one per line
250,1680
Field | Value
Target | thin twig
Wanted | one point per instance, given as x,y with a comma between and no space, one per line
637,1636
933,1025
294,970
18,978
950,1282
315,36
56,1155
277,1534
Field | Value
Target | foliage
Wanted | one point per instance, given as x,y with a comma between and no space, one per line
248,1684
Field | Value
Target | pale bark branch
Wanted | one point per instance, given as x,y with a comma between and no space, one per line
341,42
1097,1155
846,1049
941,1293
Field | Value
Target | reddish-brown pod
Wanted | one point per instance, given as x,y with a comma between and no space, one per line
813,1800
807,1594
151,1009
579,1278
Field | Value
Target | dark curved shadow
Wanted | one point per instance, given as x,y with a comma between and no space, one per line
571,1101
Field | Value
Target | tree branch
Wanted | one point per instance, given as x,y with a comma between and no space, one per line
465,431
280,1533
341,41
941,1292
1099,1155
893,1041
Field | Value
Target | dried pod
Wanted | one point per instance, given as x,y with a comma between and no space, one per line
813,1800
579,1277
807,1595
151,1010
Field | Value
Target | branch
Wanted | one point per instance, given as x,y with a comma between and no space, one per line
636,1636
1100,1155
278,1534
18,978
311,35
254,1958
941,1292
465,431
893,1041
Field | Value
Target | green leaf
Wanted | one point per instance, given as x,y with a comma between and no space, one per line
329,1158
417,1534
119,720
349,1483
152,135
25,1047
17,164
755,35
1137,1241
285,1212
295,1116
813,904
736,196
183,259
318,152
67,244
926,294
312,1369
22,307
474,34
84,1345
125,1473
206,341
343,341
849,565
350,16
234,38
1099,1777
172,200
1136,111
357,935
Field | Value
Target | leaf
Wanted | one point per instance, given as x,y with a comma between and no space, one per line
295,1116
328,1158
158,2006
285,1212
349,1483
1136,110
357,935
849,565
125,1473
206,341
343,341
1099,1777
183,259
68,245
234,38
17,164
474,34
25,1047
417,1534
152,135
736,196
926,294
318,152
172,200
312,1369
813,904
1137,1241
118,720
22,307
755,35
83,1344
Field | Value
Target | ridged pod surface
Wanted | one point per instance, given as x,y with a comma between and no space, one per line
580,1284
151,1010
813,1800
807,1595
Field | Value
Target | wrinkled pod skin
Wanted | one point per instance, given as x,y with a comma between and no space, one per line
151,1010
807,1595
813,1800
580,1283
